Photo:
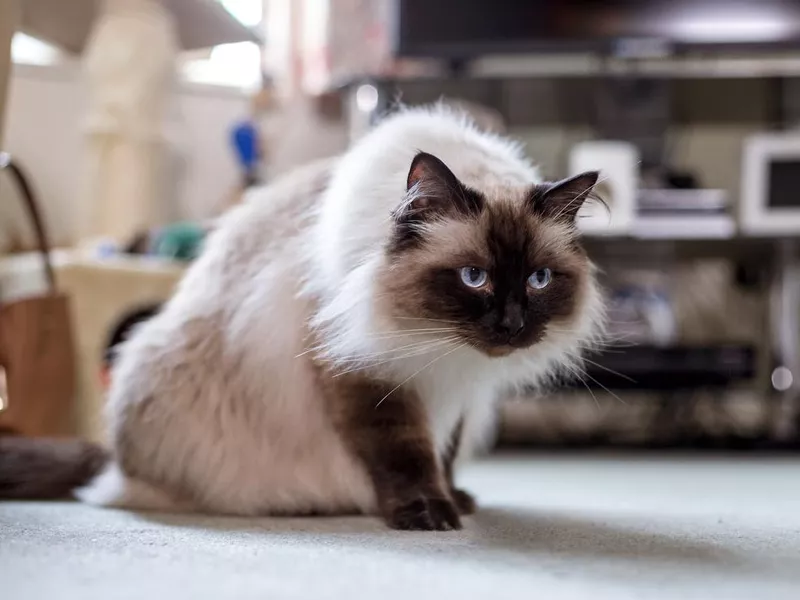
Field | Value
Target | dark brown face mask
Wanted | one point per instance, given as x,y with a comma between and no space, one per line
497,271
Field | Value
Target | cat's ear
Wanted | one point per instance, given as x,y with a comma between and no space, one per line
561,200
434,190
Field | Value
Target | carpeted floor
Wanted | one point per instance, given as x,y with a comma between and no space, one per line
578,527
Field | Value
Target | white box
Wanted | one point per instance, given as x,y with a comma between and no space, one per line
618,163
770,198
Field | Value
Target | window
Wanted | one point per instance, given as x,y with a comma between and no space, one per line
29,50
236,65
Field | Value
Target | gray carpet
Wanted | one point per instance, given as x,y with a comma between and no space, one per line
551,527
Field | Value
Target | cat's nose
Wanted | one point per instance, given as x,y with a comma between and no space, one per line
512,322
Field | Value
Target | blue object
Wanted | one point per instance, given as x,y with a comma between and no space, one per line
245,142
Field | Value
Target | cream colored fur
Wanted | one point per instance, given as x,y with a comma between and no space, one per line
216,400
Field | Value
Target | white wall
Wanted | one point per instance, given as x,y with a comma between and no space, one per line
211,174
43,130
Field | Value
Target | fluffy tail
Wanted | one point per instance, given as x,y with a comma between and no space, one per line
40,469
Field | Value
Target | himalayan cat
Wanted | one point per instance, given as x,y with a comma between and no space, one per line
344,336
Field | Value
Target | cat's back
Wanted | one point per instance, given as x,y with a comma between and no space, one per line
258,235
249,261
274,214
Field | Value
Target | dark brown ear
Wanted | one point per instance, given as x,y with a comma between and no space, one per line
561,200
433,190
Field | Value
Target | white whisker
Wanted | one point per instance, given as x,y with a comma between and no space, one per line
600,384
583,193
599,366
417,352
389,336
588,389
308,351
405,332
426,319
406,348
415,373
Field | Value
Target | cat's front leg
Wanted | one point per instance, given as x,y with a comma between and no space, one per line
464,501
390,435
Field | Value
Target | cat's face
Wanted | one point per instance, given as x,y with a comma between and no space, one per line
496,272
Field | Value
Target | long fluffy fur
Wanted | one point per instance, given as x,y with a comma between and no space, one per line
45,469
215,401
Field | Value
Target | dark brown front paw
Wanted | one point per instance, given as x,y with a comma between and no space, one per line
424,513
464,501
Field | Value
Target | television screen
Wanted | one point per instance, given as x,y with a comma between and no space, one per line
783,182
470,28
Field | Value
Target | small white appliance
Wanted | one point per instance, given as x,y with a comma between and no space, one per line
769,204
618,163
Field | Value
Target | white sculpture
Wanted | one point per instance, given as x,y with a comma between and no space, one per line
130,63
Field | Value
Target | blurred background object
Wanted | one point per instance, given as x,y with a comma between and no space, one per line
139,122
69,25
129,90
619,163
122,103
36,341
8,20
688,108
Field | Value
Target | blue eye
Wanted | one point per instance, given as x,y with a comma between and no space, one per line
539,279
473,276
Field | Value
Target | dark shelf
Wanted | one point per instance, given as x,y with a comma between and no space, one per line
674,368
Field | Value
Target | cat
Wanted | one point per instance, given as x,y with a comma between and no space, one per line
347,331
